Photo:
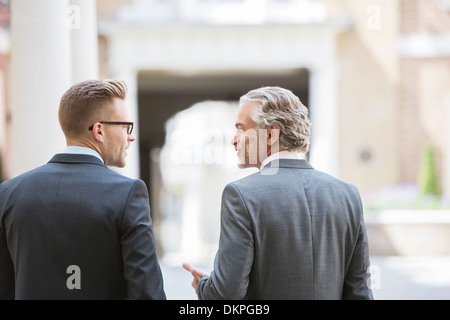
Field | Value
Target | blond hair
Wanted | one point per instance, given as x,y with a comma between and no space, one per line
87,102
281,107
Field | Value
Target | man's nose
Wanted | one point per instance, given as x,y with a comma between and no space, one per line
234,141
131,137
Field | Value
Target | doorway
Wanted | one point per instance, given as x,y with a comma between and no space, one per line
162,94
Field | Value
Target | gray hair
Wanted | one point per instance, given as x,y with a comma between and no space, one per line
281,107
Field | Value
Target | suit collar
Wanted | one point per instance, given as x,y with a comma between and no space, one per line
83,150
288,163
76,159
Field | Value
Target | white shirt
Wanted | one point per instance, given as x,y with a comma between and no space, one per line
282,155
83,150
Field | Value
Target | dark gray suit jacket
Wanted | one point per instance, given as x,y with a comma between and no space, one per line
74,211
290,232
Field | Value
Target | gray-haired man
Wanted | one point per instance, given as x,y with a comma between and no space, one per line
288,231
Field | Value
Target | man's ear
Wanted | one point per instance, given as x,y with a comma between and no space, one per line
97,132
273,134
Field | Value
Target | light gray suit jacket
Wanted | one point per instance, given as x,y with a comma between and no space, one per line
290,232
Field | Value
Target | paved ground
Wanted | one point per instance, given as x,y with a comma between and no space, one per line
394,278
411,278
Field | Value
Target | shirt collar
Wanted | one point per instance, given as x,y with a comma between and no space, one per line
282,155
83,150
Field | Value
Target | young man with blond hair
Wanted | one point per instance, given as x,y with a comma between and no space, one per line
73,228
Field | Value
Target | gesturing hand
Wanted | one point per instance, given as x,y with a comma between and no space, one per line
198,274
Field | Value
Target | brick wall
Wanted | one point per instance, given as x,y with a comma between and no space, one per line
368,93
423,91
391,106
431,16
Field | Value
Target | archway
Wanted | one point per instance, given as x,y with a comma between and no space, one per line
161,94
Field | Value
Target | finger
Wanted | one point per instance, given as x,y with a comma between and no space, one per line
193,270
196,273
188,267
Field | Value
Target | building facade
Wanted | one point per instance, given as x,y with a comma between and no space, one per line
374,74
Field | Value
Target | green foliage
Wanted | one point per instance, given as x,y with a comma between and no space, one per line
428,176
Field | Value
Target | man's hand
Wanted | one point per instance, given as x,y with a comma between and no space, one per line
198,274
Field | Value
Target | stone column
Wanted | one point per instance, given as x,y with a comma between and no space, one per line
191,244
446,183
324,154
82,15
40,74
187,9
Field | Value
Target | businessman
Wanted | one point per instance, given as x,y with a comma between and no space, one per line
287,231
73,228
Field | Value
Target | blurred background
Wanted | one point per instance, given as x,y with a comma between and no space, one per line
374,74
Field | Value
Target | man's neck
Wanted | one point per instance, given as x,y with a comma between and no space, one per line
83,150
284,154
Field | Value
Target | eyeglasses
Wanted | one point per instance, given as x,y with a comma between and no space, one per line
130,125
